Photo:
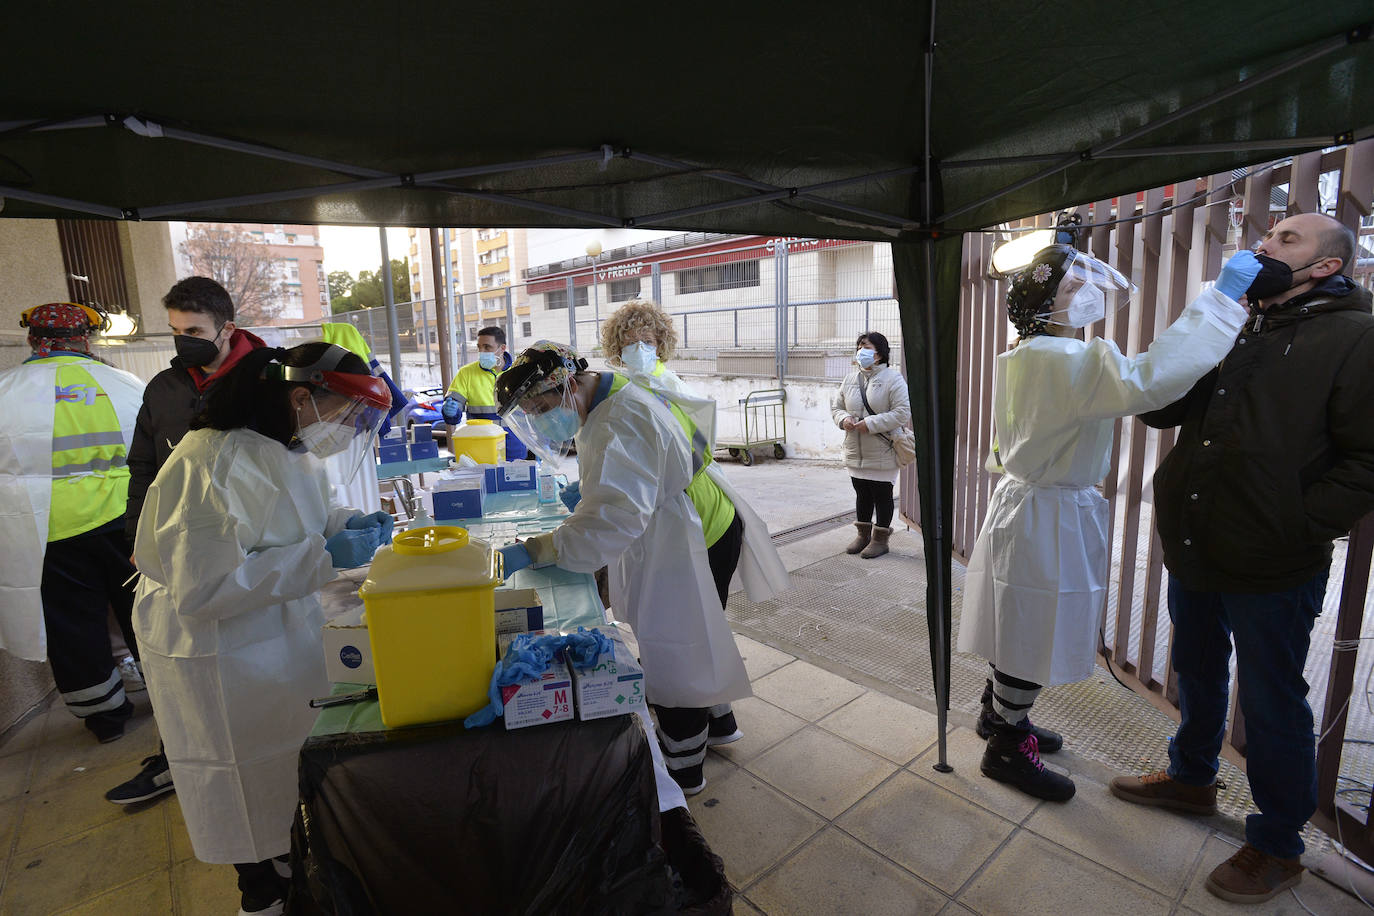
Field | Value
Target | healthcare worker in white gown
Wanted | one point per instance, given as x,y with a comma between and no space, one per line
672,534
236,537
1037,579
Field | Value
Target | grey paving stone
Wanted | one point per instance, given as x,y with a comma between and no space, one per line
763,724
750,825
883,725
822,771
805,690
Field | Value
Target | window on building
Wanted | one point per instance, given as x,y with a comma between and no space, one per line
558,298
624,290
525,330
733,275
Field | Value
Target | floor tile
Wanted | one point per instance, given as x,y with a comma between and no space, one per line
933,833
205,890
760,659
763,724
741,906
10,812
1149,845
822,771
67,752
750,825
1319,896
151,894
955,909
964,752
68,809
805,690
836,874
72,871
176,830
25,737
1031,876
884,725
14,773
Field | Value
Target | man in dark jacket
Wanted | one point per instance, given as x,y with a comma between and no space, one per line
1275,459
200,313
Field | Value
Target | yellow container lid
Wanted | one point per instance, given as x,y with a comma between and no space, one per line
429,559
480,429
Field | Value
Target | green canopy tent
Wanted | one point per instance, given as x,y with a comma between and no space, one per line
891,121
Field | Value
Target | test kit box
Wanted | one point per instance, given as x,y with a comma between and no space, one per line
347,650
422,432
422,449
512,477
518,610
614,685
539,701
459,493
389,452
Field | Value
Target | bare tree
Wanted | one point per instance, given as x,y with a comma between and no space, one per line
242,266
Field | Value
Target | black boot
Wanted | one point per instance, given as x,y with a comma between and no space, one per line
1013,758
1049,741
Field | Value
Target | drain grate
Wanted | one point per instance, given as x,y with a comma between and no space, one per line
819,526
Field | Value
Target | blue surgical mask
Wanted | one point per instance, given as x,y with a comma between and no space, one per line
865,357
488,360
639,357
559,424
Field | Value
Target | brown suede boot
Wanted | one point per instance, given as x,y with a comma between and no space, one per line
860,542
1159,790
878,546
1252,876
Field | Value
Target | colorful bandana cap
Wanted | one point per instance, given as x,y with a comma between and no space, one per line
65,317
1032,290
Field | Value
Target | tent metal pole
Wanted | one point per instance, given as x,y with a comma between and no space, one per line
446,367
267,152
37,125
1199,148
392,332
1314,51
939,569
64,203
580,215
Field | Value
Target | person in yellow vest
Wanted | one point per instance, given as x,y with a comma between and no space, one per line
672,535
473,391
64,562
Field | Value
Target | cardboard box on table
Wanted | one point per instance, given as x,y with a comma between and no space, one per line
613,685
347,651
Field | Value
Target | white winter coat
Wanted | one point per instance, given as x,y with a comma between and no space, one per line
231,547
1036,588
27,391
634,465
887,395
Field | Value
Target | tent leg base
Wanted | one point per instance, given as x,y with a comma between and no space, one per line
942,768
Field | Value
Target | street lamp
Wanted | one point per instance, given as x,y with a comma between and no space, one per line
593,251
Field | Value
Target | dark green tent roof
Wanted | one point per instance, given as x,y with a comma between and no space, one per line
771,97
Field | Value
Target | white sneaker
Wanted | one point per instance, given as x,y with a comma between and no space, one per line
275,908
131,676
717,741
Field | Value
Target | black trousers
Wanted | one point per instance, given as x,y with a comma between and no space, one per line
683,730
873,497
83,579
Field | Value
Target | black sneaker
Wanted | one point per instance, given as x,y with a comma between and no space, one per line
1012,757
154,780
109,726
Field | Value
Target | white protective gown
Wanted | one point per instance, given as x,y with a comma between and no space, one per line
231,547
1036,587
635,518
26,489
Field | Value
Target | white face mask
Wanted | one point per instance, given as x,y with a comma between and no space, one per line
1087,305
865,357
326,437
639,357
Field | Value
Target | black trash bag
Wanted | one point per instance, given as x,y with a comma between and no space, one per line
549,819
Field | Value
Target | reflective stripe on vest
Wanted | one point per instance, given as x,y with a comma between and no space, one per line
90,471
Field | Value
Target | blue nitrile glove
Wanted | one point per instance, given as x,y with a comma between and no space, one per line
452,409
571,495
353,546
378,519
585,647
526,658
514,557
1238,273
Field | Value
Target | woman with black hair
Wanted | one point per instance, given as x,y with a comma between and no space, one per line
871,403
235,539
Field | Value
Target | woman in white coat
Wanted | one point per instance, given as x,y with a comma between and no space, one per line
236,536
872,402
670,534
1037,579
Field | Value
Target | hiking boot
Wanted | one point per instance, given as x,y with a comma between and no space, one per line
154,780
878,546
1162,791
1251,876
1049,741
861,541
1012,757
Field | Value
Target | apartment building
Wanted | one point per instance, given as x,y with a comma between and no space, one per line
299,293
481,265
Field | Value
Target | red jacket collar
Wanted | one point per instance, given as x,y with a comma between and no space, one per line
241,343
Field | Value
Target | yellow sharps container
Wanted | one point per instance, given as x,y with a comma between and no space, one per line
432,624
481,440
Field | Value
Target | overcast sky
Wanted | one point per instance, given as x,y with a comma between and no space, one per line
358,248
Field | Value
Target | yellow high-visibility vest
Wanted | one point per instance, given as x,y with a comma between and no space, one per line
90,472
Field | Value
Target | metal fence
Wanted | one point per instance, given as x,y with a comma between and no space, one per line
1168,240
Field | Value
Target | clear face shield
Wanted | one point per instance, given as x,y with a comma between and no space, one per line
1089,291
339,430
547,422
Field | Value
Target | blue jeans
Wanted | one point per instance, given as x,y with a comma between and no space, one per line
1271,632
